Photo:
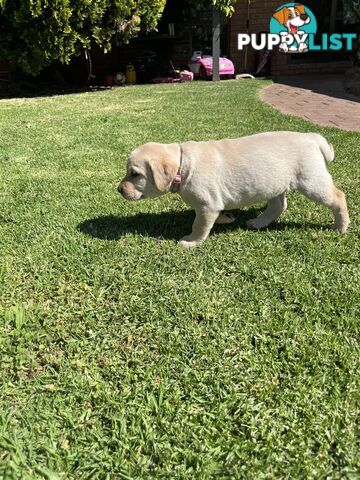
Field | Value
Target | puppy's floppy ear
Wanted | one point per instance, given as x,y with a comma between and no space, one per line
301,9
165,167
280,16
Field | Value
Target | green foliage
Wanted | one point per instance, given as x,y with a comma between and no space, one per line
36,33
226,6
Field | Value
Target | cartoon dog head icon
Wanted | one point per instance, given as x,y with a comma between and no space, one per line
292,18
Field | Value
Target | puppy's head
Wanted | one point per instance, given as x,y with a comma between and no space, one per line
292,17
151,169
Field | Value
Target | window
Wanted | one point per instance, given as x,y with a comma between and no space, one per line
330,19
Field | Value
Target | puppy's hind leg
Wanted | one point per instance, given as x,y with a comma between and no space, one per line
340,211
224,218
335,200
275,207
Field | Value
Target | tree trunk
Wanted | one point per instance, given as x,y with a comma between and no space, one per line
216,45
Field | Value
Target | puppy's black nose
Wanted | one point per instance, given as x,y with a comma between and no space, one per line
304,16
119,188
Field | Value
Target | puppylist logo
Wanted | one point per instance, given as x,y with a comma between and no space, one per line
295,24
293,27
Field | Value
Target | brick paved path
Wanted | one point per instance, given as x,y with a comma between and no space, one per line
319,99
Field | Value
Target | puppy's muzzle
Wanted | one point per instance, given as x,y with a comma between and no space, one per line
123,191
128,193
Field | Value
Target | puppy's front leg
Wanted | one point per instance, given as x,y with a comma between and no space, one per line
202,225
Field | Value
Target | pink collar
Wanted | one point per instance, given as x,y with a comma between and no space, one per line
178,177
176,182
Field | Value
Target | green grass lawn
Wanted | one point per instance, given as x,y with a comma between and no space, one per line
124,356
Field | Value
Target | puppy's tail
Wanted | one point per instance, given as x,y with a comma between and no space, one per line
326,149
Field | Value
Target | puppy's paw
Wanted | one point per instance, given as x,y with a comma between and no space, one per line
187,242
224,218
342,227
255,223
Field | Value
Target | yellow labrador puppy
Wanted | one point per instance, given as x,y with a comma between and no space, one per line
227,174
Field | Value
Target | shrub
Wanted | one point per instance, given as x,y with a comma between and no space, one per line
35,33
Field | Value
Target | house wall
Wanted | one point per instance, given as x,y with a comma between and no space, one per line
260,12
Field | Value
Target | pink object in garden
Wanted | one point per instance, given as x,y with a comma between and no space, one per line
186,76
202,66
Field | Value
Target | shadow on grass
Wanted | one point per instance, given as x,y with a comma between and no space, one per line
168,225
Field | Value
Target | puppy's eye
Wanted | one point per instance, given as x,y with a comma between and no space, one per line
134,174
290,15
